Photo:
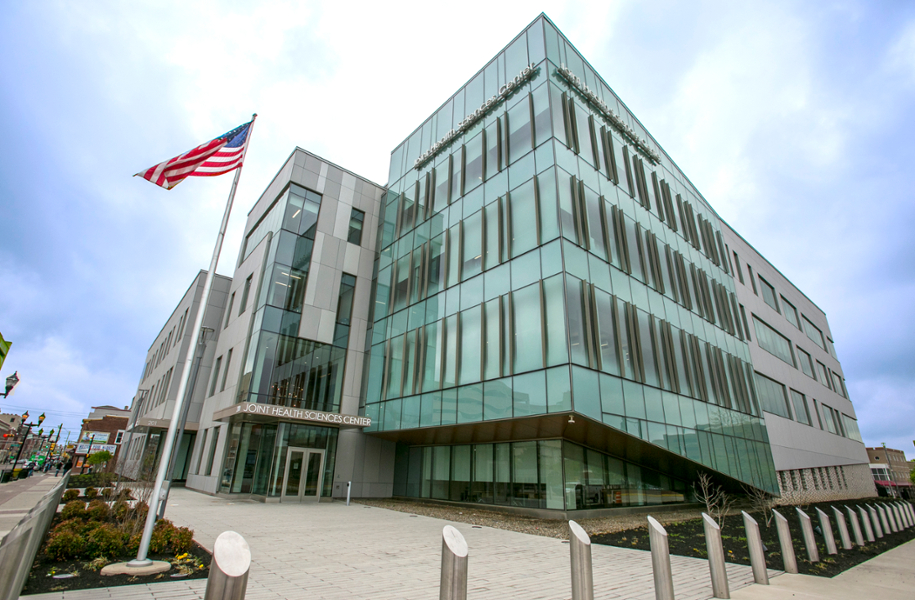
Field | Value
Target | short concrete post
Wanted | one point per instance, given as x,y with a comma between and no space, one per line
911,511
903,516
813,555
843,528
875,519
888,510
454,565
784,540
580,551
660,561
755,546
826,527
901,522
228,578
884,522
716,564
855,526
349,489
866,523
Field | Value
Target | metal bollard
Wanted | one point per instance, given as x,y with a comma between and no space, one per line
716,565
826,526
855,526
784,540
349,488
875,519
660,561
813,555
580,554
229,567
884,521
454,565
866,523
755,546
843,528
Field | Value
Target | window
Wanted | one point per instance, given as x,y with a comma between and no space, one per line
752,279
244,295
791,313
214,437
119,436
837,385
772,396
851,426
229,310
225,373
746,324
356,220
814,333
773,342
801,413
806,363
344,310
824,375
215,376
768,293
738,268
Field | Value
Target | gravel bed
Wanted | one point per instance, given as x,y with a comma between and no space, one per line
556,528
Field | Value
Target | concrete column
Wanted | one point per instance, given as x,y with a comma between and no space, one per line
813,555
884,522
660,561
755,546
875,519
580,552
716,564
866,522
826,526
855,526
784,540
843,528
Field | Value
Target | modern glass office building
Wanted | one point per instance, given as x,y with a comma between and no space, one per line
554,322
539,311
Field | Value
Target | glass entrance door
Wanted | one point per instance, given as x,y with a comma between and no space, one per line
302,479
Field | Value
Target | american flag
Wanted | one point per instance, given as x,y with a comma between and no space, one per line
216,157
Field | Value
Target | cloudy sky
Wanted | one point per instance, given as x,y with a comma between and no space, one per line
795,120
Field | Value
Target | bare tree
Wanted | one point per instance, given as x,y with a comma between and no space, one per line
761,501
717,501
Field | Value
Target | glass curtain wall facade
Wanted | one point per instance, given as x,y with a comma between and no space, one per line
539,254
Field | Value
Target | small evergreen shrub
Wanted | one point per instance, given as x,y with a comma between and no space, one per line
162,535
98,510
105,540
75,509
90,493
120,510
65,545
182,540
70,495
108,493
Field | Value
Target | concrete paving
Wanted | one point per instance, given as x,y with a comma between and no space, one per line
890,576
331,551
18,497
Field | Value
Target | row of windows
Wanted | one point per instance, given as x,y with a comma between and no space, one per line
208,444
825,478
225,373
165,346
774,398
158,393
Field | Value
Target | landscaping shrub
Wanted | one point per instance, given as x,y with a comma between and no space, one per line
91,480
98,510
162,536
74,525
90,493
182,540
65,545
125,493
75,509
107,493
120,510
105,541
132,546
70,495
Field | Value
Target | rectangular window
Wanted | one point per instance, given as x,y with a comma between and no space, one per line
837,385
746,325
790,313
225,373
752,279
823,375
772,396
801,413
773,342
244,295
345,299
356,221
229,310
806,363
814,333
851,426
214,437
215,376
768,293
738,268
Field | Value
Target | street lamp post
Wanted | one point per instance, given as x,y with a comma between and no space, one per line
11,382
52,444
28,428
88,454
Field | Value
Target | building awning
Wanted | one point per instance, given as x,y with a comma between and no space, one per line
884,483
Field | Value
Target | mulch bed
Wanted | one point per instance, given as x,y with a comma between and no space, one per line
41,578
687,538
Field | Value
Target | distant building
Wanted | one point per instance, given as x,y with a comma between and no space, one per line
103,429
891,471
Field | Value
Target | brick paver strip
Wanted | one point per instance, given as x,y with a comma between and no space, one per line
329,551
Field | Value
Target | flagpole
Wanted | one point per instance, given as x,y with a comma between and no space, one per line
165,459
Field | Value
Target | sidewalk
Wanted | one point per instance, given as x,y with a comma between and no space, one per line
332,551
890,576
18,497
